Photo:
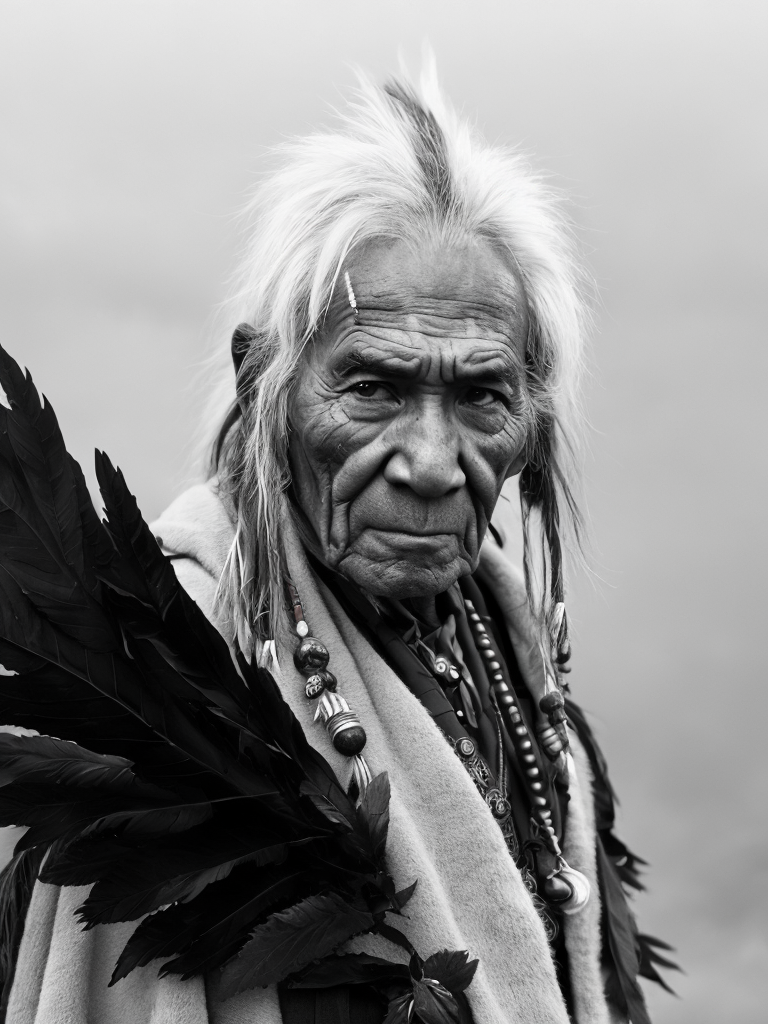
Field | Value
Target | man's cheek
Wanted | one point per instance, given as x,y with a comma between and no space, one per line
498,454
486,471
331,436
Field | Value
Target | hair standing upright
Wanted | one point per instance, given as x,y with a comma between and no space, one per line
400,164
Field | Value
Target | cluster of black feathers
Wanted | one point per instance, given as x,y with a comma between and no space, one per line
168,772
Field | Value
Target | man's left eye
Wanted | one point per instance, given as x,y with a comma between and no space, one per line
481,397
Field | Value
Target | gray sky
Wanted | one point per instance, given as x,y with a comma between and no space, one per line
130,134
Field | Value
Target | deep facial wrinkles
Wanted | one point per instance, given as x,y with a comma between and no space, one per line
406,424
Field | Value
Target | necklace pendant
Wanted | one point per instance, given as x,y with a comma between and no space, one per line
342,724
568,888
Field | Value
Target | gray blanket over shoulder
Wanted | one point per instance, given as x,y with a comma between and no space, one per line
469,895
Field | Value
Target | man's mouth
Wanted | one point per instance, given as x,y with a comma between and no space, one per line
381,543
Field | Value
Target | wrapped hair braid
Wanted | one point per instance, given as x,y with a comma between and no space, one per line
544,495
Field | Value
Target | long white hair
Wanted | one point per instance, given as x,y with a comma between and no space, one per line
399,164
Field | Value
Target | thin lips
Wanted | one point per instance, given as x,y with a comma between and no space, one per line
412,533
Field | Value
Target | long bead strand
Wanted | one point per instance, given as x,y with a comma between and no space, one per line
342,724
572,897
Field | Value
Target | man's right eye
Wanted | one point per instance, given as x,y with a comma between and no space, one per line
369,389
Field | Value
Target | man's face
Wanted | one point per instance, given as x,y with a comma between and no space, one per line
405,425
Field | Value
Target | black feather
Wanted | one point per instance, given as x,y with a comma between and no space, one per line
649,958
16,883
208,930
632,954
182,786
349,969
622,940
290,939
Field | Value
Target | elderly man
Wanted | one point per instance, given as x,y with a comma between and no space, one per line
409,338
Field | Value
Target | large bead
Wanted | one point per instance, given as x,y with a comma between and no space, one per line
557,890
347,735
350,741
314,687
552,704
310,656
551,701
319,681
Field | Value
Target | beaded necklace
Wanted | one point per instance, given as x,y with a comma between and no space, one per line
565,888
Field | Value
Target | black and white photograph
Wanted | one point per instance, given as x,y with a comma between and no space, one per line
382,501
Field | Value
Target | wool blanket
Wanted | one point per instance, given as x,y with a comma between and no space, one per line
470,894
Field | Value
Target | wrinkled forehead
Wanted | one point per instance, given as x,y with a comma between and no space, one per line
471,280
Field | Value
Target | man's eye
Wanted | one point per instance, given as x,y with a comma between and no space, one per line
369,389
480,397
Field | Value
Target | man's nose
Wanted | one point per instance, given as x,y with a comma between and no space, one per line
426,455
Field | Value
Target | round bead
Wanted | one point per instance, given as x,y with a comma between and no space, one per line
350,741
441,666
540,801
551,701
474,617
498,678
483,641
506,699
453,672
529,757
517,718
494,666
465,747
502,688
526,745
533,772
314,687
536,786
521,730
310,656
490,655
302,628
323,679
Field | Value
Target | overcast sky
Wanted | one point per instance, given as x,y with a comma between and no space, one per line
130,135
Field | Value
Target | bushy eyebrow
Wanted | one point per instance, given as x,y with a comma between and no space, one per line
394,367
494,371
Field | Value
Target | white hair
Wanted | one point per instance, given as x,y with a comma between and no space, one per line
400,164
